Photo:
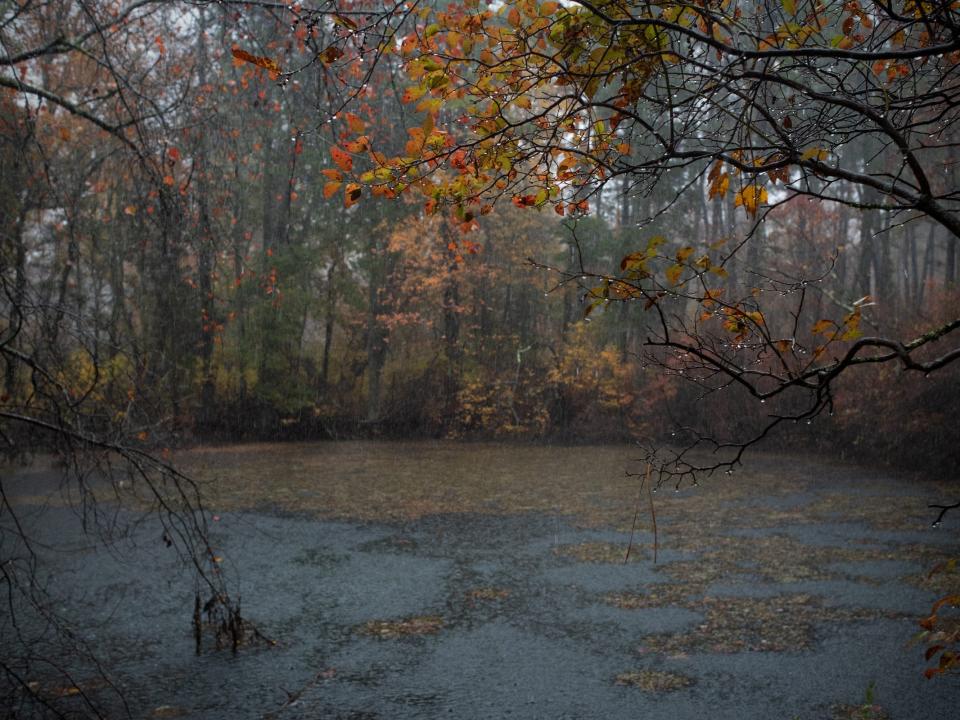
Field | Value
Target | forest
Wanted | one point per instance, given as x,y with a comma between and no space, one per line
702,228
178,252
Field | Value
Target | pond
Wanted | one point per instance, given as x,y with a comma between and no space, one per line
434,579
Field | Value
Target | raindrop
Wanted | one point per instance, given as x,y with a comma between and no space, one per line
936,524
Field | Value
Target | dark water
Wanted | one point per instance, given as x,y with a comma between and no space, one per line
525,631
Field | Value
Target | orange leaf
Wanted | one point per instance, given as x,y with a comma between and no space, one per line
173,153
330,189
343,161
361,144
948,600
266,63
351,193
822,326
355,123
168,180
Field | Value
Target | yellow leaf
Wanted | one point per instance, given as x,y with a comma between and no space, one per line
720,185
851,323
673,274
814,153
751,197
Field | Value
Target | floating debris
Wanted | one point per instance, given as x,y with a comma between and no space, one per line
659,595
409,627
740,624
167,711
487,594
599,552
858,712
654,681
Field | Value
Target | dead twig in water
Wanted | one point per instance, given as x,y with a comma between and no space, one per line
636,515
